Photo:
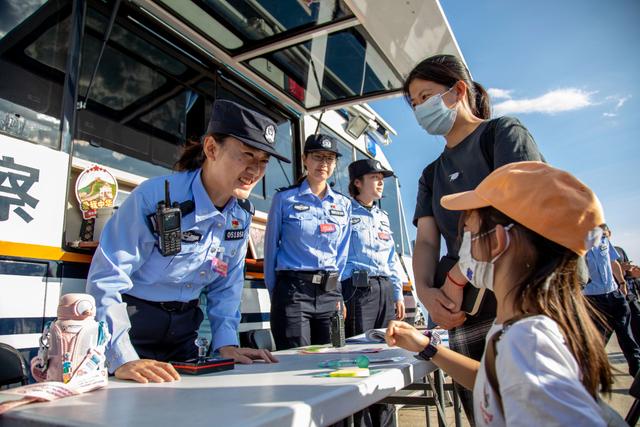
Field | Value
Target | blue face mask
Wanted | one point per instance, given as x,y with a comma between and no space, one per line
434,116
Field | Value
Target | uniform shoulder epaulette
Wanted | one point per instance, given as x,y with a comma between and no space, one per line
288,188
247,205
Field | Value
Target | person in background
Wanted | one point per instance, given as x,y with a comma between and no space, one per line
524,228
446,102
372,289
306,246
606,290
633,286
148,297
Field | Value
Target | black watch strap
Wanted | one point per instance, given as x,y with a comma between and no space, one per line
428,352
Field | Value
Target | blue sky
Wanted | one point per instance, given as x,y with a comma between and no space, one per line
569,70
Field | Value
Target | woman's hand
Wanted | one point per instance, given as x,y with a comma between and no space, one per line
145,370
402,334
400,312
442,309
454,293
247,355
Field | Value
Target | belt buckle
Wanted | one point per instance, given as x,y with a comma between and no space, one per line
316,279
167,308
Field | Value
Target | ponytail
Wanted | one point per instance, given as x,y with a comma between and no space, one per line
482,103
192,156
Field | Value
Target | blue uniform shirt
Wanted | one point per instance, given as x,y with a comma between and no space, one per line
305,233
372,247
128,261
599,260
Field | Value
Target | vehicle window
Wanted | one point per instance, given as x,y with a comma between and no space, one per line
328,68
14,12
242,24
30,103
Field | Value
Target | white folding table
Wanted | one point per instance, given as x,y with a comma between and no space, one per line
283,394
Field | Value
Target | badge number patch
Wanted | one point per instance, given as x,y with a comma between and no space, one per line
233,234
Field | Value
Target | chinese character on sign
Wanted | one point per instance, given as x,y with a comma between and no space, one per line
15,182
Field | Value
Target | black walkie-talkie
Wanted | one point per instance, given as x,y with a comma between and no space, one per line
168,219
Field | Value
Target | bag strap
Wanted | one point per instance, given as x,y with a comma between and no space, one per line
491,353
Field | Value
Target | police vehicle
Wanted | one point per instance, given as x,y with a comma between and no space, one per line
98,95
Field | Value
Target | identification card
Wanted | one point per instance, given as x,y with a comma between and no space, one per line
219,266
384,236
327,228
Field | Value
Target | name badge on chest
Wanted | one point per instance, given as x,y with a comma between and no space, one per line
218,264
336,212
327,228
384,236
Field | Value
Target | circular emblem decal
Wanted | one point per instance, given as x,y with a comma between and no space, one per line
270,134
325,143
378,165
95,188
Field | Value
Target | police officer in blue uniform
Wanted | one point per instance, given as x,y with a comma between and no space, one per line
150,301
306,247
372,289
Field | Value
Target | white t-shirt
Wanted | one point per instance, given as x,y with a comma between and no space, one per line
539,380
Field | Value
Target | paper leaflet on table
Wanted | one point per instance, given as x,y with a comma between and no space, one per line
83,381
327,349
370,336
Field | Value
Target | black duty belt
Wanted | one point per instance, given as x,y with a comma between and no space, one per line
170,306
315,277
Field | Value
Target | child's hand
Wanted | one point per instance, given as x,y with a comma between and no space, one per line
403,335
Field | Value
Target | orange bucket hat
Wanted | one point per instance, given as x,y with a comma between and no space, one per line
549,201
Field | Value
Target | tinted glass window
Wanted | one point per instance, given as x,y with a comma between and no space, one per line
236,24
30,102
327,68
14,12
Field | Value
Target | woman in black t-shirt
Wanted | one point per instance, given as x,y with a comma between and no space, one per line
447,102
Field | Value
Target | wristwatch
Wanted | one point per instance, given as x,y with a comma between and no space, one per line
432,348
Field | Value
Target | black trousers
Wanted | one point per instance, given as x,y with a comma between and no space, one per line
614,307
370,307
163,335
301,313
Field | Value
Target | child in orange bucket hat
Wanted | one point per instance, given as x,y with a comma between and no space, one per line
525,227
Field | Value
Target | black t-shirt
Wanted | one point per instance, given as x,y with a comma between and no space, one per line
463,167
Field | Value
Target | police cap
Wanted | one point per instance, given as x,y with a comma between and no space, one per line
250,127
365,166
320,142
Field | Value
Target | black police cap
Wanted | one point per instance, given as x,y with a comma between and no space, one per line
250,127
365,166
321,142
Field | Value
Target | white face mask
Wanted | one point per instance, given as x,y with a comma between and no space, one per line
478,273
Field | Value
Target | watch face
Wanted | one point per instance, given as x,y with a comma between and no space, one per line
435,338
